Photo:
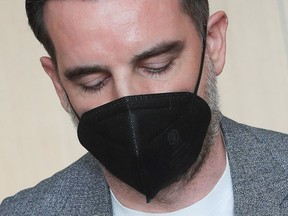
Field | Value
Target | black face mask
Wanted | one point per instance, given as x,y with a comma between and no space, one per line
147,141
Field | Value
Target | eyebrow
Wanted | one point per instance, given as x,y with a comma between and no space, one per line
170,47
78,72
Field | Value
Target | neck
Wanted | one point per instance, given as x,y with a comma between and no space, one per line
176,196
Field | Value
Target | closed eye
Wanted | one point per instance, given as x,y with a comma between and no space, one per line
93,84
157,69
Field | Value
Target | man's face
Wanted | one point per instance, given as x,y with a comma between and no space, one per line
109,49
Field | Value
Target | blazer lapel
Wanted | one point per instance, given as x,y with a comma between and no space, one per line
259,180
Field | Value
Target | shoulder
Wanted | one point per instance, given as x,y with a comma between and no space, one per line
244,138
259,168
234,130
75,190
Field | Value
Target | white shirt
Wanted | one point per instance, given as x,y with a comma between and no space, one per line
218,202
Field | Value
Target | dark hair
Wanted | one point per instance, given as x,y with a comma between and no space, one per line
198,10
35,14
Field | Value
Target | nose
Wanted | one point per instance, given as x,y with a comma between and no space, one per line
124,86
130,84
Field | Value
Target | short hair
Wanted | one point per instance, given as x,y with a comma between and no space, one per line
198,10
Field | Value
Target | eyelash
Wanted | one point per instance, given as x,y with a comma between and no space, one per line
95,88
151,71
158,71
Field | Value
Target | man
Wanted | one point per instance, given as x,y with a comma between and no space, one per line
138,78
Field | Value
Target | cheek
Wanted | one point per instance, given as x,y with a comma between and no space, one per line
187,71
82,101
186,77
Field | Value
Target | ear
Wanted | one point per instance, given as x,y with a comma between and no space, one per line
216,40
51,70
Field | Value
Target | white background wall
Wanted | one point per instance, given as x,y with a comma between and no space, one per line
36,135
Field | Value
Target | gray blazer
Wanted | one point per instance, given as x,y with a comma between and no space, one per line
259,167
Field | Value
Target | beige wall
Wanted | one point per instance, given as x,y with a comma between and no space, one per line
254,83
37,138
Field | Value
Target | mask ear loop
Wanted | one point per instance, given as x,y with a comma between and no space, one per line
202,60
73,110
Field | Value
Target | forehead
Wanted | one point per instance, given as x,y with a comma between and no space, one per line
115,9
105,25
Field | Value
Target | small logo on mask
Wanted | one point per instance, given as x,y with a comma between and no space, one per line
174,137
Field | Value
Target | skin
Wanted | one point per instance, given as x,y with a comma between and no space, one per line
100,50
